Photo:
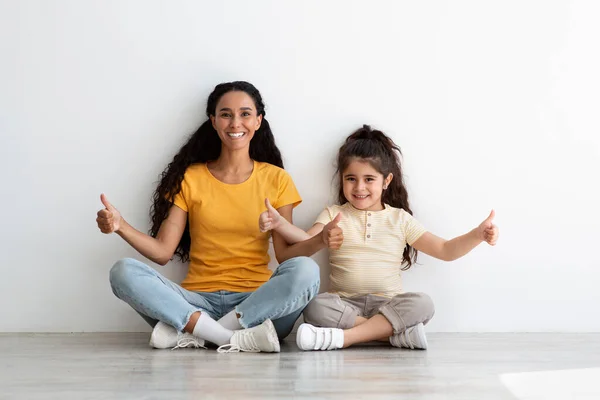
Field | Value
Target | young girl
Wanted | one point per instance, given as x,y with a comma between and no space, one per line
371,234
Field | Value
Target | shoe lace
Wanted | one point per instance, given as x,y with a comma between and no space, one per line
187,341
244,341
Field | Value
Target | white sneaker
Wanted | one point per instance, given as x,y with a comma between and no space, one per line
412,338
310,337
164,336
261,338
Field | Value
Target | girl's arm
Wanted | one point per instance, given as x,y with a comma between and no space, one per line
272,220
159,249
320,237
449,250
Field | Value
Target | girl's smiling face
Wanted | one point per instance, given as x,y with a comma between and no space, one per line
363,185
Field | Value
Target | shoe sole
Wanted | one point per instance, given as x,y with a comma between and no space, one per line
152,345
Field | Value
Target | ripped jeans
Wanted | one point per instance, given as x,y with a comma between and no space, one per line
281,299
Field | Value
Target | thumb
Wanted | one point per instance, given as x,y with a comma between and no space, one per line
105,201
269,206
490,218
337,218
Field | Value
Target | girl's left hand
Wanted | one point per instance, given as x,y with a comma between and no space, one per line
487,231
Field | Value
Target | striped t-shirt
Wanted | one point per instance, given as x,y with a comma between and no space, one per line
370,258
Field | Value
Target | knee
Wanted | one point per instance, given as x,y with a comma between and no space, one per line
313,313
305,272
409,309
122,272
426,303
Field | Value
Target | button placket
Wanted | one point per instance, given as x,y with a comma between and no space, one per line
368,228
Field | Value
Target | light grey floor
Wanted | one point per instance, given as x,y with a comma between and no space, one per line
122,366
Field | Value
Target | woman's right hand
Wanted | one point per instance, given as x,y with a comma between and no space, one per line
109,219
332,234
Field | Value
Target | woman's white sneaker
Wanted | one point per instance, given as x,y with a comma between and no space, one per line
261,338
164,336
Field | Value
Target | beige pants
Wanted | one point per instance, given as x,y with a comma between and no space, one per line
403,310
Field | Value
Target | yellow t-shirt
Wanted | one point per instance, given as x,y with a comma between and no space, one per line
370,259
228,251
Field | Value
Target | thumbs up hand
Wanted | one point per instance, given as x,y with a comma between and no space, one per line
270,219
332,234
488,232
109,219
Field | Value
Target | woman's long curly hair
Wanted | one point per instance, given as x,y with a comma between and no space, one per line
203,146
383,154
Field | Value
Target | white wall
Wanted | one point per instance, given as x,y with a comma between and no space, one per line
493,103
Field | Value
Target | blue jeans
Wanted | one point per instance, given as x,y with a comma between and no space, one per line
281,299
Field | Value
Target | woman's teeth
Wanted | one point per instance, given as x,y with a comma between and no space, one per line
236,135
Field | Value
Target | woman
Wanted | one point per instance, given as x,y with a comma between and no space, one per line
205,211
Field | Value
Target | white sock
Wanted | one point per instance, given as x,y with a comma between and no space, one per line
338,338
230,321
208,329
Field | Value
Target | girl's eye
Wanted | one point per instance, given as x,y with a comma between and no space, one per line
350,179
225,115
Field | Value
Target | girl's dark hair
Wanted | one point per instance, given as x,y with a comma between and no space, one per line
383,154
205,145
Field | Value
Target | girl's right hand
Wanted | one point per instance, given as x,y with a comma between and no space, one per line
109,219
332,234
